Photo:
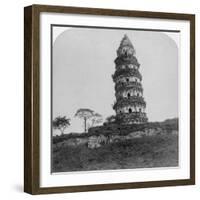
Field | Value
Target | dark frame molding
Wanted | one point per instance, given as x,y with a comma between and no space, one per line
32,92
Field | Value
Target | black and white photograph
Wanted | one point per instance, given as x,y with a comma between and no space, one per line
114,99
109,99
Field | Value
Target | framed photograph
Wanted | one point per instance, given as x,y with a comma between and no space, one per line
109,99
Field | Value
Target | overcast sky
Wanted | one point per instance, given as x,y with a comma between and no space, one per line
83,62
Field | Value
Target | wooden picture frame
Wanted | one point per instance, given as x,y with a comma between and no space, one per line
32,91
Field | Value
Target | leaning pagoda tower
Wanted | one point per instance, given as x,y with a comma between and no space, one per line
130,104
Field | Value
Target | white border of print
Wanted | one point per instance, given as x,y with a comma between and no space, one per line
113,176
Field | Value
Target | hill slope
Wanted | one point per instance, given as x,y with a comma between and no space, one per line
145,152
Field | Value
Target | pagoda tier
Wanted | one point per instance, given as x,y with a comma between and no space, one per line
126,71
130,104
121,61
126,86
133,118
133,101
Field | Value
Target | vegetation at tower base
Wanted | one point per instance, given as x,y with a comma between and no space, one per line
130,104
118,146
114,127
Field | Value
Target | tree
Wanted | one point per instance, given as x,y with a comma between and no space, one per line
61,123
95,120
111,119
85,114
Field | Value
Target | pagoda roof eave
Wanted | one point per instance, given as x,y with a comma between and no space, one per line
130,102
122,61
127,73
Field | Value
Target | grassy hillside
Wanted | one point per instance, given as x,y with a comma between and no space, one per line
145,152
112,128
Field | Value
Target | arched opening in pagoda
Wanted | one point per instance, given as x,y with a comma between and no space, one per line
126,54
128,95
140,110
130,110
127,80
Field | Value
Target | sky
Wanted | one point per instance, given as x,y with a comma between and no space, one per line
83,63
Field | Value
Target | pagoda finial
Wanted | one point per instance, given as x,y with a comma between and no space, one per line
126,41
126,36
125,47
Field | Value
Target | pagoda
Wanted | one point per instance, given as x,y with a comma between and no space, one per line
130,104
